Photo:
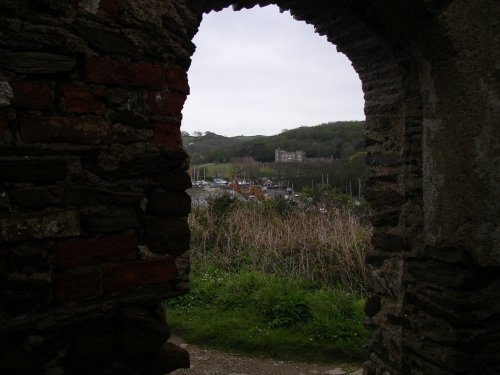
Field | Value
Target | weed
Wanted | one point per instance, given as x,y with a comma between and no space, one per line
283,238
253,312
277,278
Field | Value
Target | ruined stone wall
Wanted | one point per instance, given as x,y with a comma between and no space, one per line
92,177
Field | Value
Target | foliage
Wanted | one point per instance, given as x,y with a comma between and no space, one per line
220,207
344,175
279,277
337,140
322,242
260,313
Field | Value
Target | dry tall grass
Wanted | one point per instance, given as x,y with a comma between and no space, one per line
328,248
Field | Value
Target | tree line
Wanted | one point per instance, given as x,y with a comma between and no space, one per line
334,140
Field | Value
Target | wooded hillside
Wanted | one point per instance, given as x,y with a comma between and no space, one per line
334,139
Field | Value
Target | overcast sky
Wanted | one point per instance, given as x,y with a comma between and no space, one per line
259,71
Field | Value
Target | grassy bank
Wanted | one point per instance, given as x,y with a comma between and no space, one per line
261,314
277,278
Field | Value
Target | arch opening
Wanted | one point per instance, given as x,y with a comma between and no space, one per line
92,178
235,253
391,93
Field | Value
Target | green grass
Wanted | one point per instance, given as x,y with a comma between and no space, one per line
262,314
283,238
218,170
276,278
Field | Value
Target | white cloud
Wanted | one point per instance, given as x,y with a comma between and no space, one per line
258,71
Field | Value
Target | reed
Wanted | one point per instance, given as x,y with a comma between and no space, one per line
284,239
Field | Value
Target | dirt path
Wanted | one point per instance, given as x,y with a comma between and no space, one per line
213,362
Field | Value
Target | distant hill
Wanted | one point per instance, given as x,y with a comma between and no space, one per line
334,139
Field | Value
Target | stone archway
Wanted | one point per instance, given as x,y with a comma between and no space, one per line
92,208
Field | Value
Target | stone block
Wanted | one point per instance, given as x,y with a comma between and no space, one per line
91,348
110,8
385,218
59,129
372,306
126,100
375,259
95,196
174,181
456,275
131,119
124,134
140,332
171,357
149,165
124,276
33,95
379,159
107,71
398,321
37,197
18,227
413,185
165,103
110,219
22,302
90,6
169,204
77,285
167,135
107,40
26,353
32,256
4,262
32,170
389,242
82,100
83,252
3,126
6,93
381,199
36,62
167,235
177,80
30,281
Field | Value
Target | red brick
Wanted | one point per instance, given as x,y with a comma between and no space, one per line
168,135
166,104
33,95
110,7
72,286
135,274
108,71
78,253
82,100
177,80
59,129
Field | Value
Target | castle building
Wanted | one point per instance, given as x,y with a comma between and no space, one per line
282,156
